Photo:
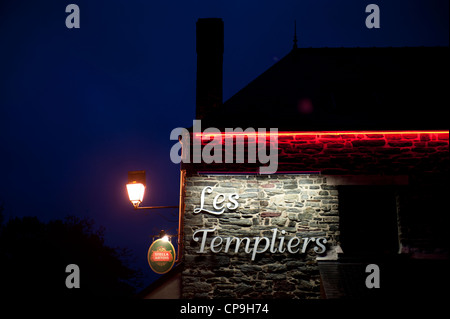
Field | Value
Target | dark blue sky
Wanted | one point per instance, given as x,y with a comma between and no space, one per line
79,108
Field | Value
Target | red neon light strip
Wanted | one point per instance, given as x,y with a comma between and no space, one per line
253,172
297,133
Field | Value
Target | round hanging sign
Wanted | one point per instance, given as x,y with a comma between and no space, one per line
161,256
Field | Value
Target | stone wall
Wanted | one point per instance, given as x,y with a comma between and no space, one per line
306,206
301,206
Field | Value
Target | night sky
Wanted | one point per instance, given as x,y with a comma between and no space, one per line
79,108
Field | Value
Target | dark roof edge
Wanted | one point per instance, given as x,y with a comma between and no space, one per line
160,281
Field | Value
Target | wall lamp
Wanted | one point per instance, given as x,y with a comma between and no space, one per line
136,189
164,236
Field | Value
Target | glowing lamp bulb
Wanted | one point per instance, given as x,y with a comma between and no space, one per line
136,187
165,238
136,193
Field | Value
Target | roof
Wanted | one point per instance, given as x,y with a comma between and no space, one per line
344,89
154,290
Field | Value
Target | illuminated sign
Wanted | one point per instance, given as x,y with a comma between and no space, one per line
257,245
161,256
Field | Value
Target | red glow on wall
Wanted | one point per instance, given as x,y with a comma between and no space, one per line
337,152
317,133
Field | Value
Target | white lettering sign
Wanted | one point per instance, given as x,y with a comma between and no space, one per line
255,246
258,245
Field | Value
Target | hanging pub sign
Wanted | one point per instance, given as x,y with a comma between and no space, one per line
276,243
161,256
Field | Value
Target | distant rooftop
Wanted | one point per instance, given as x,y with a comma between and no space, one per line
344,89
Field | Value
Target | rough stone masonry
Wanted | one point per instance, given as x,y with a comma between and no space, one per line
299,205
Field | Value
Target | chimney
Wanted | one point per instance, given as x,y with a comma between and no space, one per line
209,65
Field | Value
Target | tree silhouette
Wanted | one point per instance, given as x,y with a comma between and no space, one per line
34,256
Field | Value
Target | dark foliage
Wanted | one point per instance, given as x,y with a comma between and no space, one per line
34,256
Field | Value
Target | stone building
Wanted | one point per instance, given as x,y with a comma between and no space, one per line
362,164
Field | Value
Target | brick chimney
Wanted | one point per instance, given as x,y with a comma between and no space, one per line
209,65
